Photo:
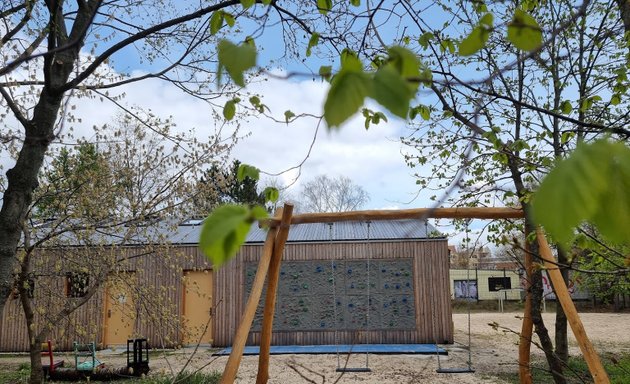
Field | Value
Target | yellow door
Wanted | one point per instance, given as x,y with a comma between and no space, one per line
197,308
120,314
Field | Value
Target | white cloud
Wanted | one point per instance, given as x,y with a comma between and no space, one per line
371,158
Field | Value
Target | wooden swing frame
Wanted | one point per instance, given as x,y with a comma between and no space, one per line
271,259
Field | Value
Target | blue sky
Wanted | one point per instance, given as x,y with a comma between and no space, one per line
371,158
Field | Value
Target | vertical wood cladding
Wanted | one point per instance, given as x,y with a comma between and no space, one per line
159,293
431,292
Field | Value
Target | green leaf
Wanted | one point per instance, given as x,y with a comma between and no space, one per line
350,61
247,3
324,6
478,37
524,31
425,38
613,215
325,71
447,45
579,189
271,194
259,212
378,116
487,20
223,232
216,22
245,170
473,42
236,59
313,41
229,109
356,3
345,96
406,63
615,99
390,90
424,112
229,19
566,107
266,2
288,115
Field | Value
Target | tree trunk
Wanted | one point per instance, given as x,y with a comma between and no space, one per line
624,13
555,364
21,182
39,133
562,343
35,352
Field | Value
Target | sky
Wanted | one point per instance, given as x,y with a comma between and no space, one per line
372,158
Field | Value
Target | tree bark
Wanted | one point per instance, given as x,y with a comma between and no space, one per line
555,364
39,133
624,13
35,353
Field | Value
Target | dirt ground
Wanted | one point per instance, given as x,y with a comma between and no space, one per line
493,351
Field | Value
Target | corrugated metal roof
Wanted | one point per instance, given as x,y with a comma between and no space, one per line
186,233
317,232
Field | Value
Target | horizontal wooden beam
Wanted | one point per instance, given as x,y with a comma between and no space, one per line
417,213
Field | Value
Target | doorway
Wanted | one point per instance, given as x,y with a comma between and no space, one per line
197,307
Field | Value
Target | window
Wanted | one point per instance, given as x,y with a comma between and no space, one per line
465,289
77,284
498,283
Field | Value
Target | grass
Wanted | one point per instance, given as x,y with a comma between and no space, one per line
16,376
617,367
185,378
21,376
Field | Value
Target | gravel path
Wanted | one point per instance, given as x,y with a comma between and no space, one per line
494,349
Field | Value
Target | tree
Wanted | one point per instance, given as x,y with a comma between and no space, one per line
326,194
497,138
56,54
94,202
575,53
222,186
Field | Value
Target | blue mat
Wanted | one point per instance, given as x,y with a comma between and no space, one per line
407,349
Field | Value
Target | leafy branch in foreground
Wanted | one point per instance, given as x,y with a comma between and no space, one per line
591,185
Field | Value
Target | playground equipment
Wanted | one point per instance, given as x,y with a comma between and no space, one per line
344,368
50,364
87,366
271,257
469,367
85,357
138,356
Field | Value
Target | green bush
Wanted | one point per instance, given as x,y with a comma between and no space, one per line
617,367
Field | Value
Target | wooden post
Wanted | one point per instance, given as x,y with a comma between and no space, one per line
231,368
270,299
562,294
525,341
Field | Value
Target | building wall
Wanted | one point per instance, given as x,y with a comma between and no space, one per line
155,281
158,289
482,278
430,269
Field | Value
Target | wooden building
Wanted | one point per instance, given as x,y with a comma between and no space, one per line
386,282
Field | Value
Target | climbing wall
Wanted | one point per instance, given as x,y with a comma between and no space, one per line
314,295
